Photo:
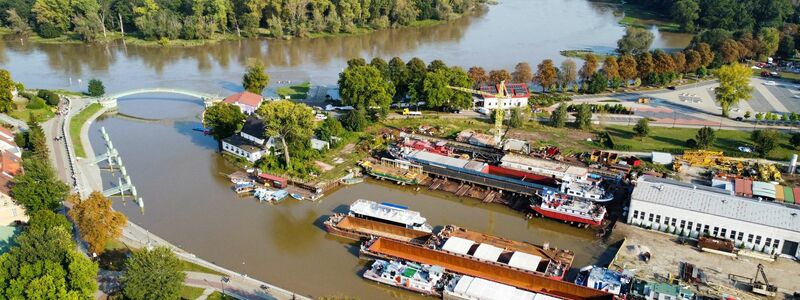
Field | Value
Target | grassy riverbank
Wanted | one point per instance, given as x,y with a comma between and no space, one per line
77,123
297,91
642,17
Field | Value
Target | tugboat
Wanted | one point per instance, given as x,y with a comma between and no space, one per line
570,209
586,190
389,213
415,277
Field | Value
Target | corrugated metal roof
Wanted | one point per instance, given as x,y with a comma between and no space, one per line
716,202
524,261
488,252
764,189
457,245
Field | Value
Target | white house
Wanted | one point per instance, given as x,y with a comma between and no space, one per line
518,95
248,102
691,210
244,148
320,145
7,142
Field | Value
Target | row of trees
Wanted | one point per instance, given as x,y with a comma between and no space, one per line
746,15
190,19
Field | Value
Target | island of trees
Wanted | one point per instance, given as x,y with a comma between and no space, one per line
163,20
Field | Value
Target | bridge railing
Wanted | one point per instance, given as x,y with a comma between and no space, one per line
189,93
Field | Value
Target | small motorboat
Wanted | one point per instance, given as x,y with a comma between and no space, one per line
263,194
279,195
296,196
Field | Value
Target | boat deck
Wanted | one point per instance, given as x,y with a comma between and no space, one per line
367,228
560,255
490,271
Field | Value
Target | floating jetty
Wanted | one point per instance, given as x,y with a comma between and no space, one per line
358,229
382,248
551,262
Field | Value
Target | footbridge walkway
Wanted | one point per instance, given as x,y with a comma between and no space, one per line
110,101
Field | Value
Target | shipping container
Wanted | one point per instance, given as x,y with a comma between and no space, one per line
744,187
779,193
788,195
272,180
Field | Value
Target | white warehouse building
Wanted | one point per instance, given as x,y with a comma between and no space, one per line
692,210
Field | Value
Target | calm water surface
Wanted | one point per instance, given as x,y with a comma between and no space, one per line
497,37
188,202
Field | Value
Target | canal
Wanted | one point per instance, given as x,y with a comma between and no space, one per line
188,202
497,37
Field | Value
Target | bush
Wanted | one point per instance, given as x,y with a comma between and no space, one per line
96,88
52,98
546,100
691,143
48,31
36,103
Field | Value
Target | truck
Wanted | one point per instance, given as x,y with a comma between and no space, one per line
408,112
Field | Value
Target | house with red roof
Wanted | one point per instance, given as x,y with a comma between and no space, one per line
248,102
518,95
7,142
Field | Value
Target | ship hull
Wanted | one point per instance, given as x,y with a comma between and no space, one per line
565,217
371,276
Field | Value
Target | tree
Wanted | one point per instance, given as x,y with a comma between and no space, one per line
437,89
53,15
497,76
152,274
517,118
292,122
642,128
416,71
96,88
478,76
522,73
747,115
50,97
706,55
568,74
546,74
769,40
256,79
730,51
734,86
435,65
589,67
686,12
398,75
765,141
223,120
635,41
693,60
583,117
355,120
597,84
382,66
329,129
663,63
38,188
627,68
559,117
644,64
356,62
787,46
96,220
6,85
45,264
795,140
611,67
705,137
364,87
18,24
680,62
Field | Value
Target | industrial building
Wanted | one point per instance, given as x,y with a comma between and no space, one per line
692,210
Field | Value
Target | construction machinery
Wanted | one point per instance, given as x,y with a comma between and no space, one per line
763,288
499,114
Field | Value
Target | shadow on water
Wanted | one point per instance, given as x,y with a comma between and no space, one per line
196,137
231,86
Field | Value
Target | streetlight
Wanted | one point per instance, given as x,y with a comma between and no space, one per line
223,280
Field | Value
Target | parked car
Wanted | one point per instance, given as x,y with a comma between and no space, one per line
483,111
320,117
770,83
408,112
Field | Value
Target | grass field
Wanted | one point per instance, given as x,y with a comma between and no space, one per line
663,139
24,114
77,123
191,267
297,91
218,296
190,292
642,17
784,75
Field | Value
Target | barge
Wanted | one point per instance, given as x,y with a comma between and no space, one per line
357,229
388,249
472,288
420,278
550,262
558,206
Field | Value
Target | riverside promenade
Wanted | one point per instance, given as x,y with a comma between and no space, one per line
85,178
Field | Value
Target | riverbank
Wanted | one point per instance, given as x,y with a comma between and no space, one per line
77,123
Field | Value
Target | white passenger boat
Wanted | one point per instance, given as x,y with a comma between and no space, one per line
419,278
389,213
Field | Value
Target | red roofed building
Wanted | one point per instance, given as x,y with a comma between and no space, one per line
7,142
518,93
248,102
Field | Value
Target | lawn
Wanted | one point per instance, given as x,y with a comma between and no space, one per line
192,267
190,292
674,140
218,296
784,75
642,17
297,91
23,113
77,123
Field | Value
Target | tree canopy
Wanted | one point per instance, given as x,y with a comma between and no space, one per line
705,137
96,220
152,274
559,117
546,74
255,79
734,86
438,93
764,141
292,122
636,40
6,86
38,188
96,88
223,120
364,87
642,127
583,117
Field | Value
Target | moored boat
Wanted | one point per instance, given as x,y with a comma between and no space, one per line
415,277
279,195
389,213
296,196
463,287
350,227
566,208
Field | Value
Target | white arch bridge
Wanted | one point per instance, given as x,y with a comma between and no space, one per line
110,101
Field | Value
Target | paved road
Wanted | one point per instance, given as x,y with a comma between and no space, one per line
14,122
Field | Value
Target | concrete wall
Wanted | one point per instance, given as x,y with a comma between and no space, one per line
638,208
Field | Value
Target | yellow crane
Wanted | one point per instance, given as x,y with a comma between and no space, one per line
501,94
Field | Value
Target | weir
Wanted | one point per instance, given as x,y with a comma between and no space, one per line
125,184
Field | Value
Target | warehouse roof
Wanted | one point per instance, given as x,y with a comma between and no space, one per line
716,202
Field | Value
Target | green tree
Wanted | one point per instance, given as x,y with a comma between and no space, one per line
330,128
96,88
364,87
770,41
256,79
38,188
765,141
97,222
583,117
382,67
355,120
795,140
435,65
517,118
705,137
18,24
686,13
597,84
438,93
415,70
6,85
292,122
152,274
734,86
223,120
635,41
53,14
747,115
642,128
398,75
559,117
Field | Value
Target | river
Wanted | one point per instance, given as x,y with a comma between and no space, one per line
188,202
499,36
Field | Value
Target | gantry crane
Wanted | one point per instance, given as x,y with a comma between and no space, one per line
501,94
